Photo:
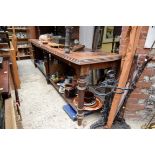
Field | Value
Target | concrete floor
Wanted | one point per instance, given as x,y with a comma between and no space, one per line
41,105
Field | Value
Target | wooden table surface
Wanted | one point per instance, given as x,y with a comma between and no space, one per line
83,57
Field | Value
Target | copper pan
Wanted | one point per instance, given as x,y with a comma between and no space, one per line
96,106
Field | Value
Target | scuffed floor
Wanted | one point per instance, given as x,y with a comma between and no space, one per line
41,105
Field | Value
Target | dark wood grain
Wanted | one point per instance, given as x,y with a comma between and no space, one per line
80,58
4,78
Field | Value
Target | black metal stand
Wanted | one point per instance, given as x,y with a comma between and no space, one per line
109,87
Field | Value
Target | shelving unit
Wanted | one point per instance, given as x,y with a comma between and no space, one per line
43,70
22,41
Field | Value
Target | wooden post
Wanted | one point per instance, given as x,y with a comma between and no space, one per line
126,41
134,37
14,65
82,73
81,91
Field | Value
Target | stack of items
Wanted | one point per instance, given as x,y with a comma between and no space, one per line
67,84
21,35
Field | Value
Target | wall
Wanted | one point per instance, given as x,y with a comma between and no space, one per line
86,34
75,33
140,97
150,37
32,32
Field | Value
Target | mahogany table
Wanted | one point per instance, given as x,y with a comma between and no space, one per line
83,62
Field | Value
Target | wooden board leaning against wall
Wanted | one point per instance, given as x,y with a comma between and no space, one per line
11,54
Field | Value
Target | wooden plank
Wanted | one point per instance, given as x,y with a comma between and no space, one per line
11,53
10,120
32,32
134,37
83,57
23,46
15,68
21,39
126,40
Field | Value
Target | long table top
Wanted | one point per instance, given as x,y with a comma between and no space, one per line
83,57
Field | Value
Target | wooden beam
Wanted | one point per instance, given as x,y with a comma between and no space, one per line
126,38
129,56
15,67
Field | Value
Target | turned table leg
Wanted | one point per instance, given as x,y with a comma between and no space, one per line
81,91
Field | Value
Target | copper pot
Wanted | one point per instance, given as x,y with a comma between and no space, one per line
89,97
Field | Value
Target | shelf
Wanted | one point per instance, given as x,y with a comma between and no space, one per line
18,29
9,28
3,43
68,100
21,46
23,57
3,32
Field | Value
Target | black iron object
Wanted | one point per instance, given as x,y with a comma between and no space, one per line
107,88
116,32
110,87
96,38
140,66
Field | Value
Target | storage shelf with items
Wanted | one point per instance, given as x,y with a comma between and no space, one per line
22,41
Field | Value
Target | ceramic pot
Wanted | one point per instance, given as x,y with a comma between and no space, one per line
89,97
70,91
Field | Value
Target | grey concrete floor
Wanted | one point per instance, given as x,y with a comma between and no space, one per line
41,105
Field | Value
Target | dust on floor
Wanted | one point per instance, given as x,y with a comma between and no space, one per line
41,105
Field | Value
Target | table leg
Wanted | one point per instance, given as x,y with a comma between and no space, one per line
81,91
47,69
